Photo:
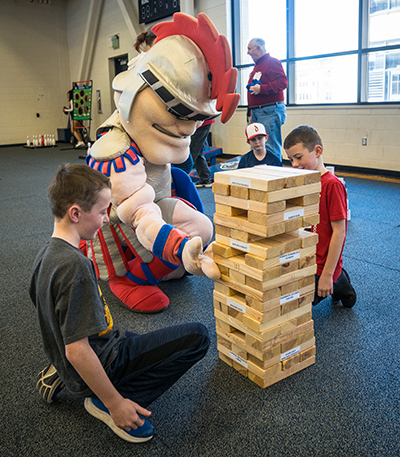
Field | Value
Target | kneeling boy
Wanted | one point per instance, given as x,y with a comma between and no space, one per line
303,147
120,373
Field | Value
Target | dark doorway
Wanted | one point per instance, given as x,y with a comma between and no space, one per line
120,64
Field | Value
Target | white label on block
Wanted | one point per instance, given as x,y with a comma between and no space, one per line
289,257
238,359
240,181
235,305
238,245
292,214
290,353
289,297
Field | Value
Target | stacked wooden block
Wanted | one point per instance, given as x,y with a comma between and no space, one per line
262,302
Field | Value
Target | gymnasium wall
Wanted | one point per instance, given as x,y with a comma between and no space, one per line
34,69
41,47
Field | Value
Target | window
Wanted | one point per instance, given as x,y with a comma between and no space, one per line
334,52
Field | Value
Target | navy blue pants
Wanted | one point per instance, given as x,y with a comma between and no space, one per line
148,365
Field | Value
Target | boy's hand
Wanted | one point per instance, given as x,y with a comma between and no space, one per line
325,285
126,414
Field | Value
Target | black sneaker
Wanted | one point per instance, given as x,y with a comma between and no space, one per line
49,384
202,183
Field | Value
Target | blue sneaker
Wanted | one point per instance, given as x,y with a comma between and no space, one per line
95,407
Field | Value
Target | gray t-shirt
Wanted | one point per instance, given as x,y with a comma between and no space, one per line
64,289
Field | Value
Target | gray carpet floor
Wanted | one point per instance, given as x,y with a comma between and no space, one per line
347,404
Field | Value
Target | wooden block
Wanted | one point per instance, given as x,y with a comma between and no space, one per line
257,341
242,224
222,230
260,207
230,211
245,237
307,238
225,359
265,219
245,366
239,303
285,361
281,280
237,276
281,375
221,189
232,287
268,296
303,319
300,339
288,258
308,260
267,363
223,307
247,177
268,332
285,321
266,248
310,176
238,363
290,287
223,288
290,362
288,193
224,342
307,354
306,281
224,326
224,251
224,270
238,263
312,219
290,306
305,200
293,224
240,192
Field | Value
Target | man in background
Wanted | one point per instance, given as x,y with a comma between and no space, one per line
265,96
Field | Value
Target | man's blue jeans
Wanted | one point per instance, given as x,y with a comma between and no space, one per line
272,117
148,365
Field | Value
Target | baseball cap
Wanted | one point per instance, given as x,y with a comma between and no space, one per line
253,130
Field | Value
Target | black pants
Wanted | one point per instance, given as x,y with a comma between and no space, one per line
342,290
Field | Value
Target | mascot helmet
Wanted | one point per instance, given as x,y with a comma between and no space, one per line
189,68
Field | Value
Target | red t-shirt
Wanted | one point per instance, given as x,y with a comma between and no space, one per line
332,207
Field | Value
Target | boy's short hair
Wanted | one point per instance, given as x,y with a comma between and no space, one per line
304,134
75,184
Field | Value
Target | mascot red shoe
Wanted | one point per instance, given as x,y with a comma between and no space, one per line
184,79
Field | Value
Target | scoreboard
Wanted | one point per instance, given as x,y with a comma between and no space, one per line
153,10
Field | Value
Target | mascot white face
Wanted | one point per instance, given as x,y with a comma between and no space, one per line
161,137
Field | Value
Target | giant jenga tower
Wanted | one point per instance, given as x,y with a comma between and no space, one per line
262,302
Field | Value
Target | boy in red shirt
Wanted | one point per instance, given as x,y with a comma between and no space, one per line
303,147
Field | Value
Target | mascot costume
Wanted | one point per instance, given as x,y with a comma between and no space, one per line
184,79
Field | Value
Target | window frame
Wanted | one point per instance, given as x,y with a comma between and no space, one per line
362,52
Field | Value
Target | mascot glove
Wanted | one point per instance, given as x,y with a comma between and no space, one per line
197,263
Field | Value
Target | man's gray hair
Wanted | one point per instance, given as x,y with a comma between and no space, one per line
258,42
